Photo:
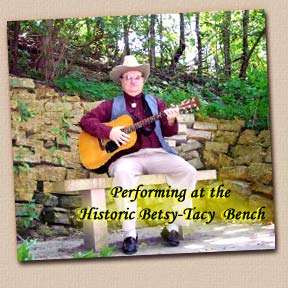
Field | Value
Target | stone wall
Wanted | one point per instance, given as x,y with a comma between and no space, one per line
45,135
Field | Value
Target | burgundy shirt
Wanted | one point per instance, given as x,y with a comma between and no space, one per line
93,121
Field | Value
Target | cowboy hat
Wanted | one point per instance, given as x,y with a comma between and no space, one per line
130,63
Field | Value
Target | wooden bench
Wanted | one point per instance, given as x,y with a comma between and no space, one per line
93,194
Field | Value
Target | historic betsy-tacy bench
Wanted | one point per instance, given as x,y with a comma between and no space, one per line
93,194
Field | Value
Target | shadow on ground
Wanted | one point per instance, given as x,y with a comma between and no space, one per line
217,237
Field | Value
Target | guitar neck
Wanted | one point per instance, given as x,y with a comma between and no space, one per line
144,122
193,103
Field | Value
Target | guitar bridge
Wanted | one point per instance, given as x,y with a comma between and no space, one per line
111,146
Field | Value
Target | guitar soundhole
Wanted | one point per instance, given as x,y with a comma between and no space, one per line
111,146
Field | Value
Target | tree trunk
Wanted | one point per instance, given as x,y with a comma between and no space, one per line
226,41
152,41
126,37
46,61
244,57
182,44
14,42
199,45
161,40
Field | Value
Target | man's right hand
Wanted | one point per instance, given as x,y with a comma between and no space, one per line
118,136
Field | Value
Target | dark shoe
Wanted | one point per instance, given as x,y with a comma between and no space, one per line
170,238
130,245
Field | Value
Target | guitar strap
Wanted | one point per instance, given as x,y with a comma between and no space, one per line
148,112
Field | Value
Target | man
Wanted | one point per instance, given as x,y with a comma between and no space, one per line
154,155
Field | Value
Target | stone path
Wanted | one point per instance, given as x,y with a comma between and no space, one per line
217,237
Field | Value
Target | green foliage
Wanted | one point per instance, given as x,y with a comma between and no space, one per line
19,165
23,109
106,252
89,90
24,250
28,212
61,132
226,99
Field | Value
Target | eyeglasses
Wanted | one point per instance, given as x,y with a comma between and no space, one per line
130,78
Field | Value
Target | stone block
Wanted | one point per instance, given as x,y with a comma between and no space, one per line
13,105
217,147
32,126
264,138
192,145
178,138
189,155
43,92
58,106
261,188
236,127
54,215
69,201
37,107
77,115
244,154
199,135
68,98
182,129
239,187
88,106
197,163
234,173
26,83
226,137
268,156
187,119
47,200
248,137
204,126
260,173
48,187
24,187
47,173
77,174
171,143
216,159
23,95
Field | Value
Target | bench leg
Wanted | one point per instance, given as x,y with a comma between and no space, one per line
95,232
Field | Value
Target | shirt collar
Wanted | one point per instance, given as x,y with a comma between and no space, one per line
133,98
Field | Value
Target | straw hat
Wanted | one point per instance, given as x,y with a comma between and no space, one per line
130,64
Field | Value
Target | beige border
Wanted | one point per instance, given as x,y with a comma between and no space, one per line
245,269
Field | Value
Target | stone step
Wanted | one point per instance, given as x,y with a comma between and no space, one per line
199,135
205,126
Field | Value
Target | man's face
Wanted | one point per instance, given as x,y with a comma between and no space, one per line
132,82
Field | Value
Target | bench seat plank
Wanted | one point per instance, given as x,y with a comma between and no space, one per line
72,185
93,194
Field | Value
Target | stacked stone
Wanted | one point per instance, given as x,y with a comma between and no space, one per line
242,157
33,142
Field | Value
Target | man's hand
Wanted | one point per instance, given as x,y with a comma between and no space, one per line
118,136
172,114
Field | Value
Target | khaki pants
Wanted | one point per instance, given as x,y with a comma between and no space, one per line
125,170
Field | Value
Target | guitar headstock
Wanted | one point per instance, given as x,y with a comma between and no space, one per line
191,104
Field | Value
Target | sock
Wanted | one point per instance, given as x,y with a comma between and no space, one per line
172,226
130,233
129,228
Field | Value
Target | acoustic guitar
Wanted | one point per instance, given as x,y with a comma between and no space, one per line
98,153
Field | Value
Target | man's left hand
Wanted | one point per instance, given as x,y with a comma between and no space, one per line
172,114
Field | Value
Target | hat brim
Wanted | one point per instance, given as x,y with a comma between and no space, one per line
117,71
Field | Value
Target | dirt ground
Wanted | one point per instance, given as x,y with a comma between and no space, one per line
218,237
